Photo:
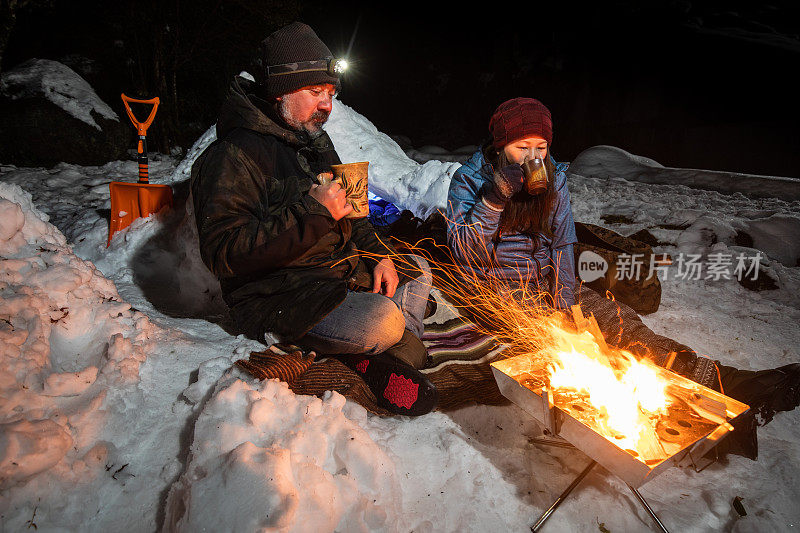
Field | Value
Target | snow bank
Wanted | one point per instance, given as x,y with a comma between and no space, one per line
90,413
155,258
776,236
184,169
159,257
612,162
59,84
66,338
281,462
393,175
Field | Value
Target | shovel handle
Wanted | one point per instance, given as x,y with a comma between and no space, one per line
141,127
141,158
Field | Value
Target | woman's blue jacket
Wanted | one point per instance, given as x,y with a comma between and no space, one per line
472,225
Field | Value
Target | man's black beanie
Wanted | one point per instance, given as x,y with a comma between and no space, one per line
291,44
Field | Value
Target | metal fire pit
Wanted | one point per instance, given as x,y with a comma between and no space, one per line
695,422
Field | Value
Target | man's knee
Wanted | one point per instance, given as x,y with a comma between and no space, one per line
424,275
390,325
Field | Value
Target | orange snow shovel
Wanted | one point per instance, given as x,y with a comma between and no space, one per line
130,201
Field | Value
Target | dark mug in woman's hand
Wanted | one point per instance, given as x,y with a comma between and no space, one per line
536,178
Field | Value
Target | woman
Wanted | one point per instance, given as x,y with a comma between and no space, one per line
501,222
510,222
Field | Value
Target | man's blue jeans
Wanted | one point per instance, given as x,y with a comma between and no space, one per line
370,323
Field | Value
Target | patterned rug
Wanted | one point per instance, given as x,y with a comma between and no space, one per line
458,366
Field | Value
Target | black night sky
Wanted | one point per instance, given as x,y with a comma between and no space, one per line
691,84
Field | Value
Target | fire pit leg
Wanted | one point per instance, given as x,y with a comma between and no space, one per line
649,510
563,497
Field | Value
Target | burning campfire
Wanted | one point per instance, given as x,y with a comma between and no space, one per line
630,416
647,413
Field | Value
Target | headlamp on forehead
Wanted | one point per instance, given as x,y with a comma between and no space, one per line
337,66
334,67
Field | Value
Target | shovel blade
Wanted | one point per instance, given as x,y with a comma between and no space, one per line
130,201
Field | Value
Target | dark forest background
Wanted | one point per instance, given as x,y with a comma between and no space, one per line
708,84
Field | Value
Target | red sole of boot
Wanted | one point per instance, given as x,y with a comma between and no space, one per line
401,391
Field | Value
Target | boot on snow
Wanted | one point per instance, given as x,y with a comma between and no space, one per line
766,391
398,387
743,440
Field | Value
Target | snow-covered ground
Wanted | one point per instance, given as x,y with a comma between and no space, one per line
609,161
120,410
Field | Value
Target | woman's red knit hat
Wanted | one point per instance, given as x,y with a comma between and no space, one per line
519,118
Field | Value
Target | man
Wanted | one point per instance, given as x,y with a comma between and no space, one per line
288,260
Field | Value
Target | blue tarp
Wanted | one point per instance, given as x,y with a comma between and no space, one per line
382,213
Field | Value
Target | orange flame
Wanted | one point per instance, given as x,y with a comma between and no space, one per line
625,401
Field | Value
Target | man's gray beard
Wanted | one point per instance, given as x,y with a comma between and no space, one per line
314,134
296,124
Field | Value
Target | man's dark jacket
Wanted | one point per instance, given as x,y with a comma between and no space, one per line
282,260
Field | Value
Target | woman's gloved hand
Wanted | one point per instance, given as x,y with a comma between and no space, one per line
508,181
